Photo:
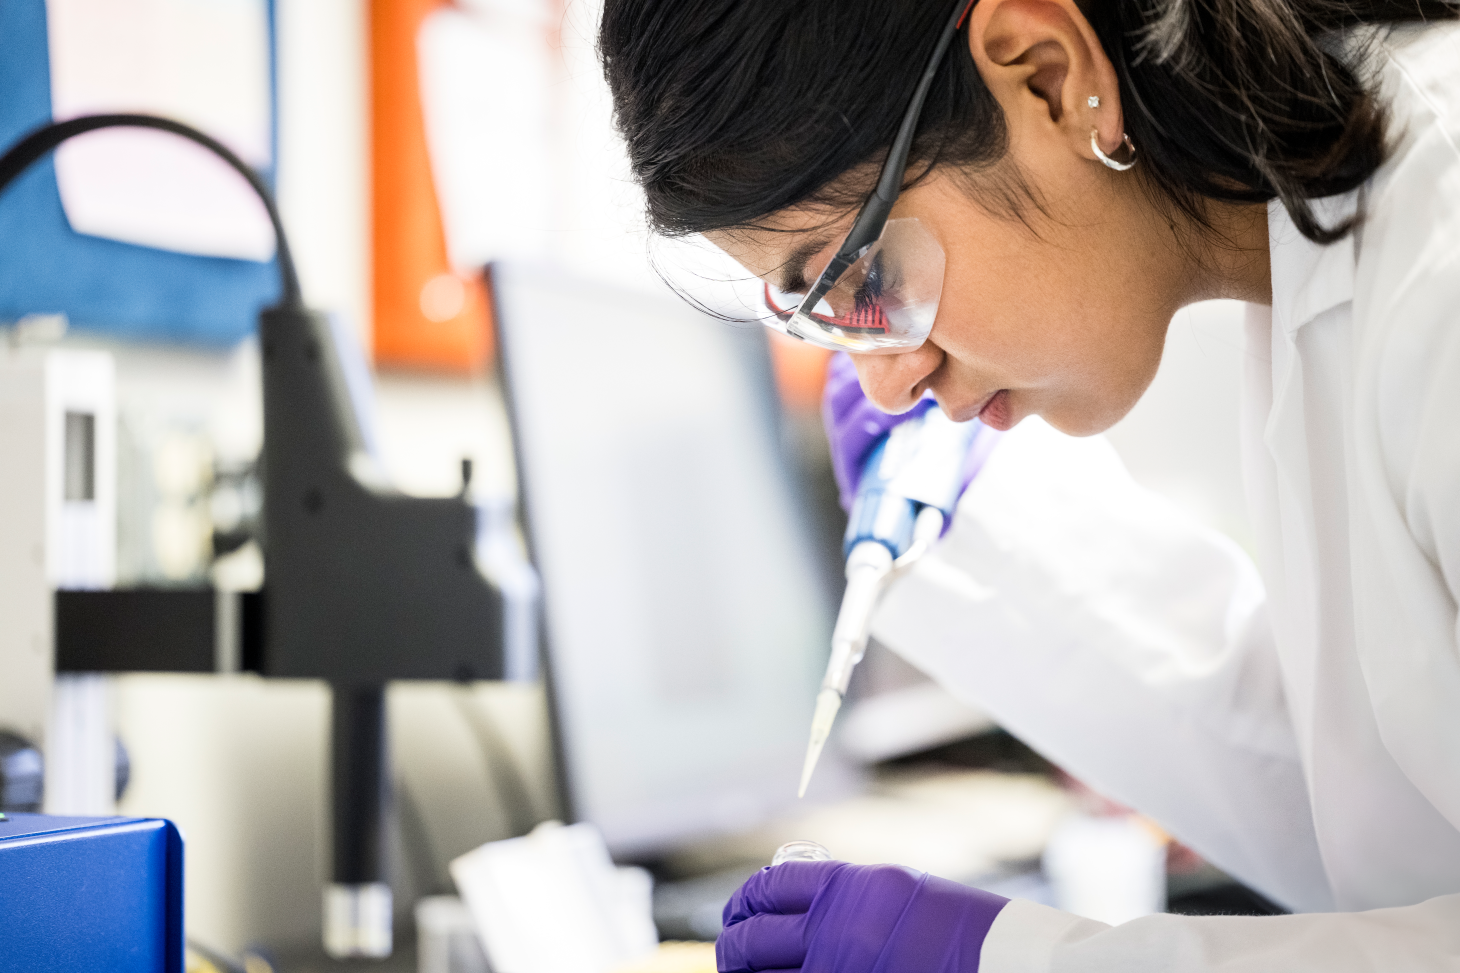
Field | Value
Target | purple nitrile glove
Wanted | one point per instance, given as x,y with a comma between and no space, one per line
832,917
854,425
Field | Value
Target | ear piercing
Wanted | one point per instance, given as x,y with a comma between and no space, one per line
1094,102
1117,166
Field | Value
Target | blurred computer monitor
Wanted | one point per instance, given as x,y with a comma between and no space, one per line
686,624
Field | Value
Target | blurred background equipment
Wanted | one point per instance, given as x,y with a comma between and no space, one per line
446,937
686,618
430,311
360,571
1111,868
57,531
22,772
553,901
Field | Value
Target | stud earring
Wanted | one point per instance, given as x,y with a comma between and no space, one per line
1117,166
1093,101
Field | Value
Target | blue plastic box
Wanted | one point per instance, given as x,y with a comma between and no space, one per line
90,894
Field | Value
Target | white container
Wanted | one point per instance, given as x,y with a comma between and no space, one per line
552,901
1111,869
446,937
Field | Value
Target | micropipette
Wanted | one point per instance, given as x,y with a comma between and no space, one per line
909,485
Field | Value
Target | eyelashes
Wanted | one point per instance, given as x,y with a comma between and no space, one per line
880,278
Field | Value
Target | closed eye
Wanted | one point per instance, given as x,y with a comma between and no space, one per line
793,271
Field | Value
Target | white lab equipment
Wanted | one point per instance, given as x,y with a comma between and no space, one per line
446,937
1300,734
1110,868
58,510
552,901
357,919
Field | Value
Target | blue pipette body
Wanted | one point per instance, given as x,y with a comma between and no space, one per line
910,484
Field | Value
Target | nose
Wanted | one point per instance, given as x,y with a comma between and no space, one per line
893,383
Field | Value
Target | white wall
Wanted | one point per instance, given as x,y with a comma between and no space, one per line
239,765
324,132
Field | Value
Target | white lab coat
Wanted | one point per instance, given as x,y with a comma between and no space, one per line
1300,728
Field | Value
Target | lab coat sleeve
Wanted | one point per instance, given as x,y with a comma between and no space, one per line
1124,641
1030,938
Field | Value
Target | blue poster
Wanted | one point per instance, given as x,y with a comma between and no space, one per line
102,286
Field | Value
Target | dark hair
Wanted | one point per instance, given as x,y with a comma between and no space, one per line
735,109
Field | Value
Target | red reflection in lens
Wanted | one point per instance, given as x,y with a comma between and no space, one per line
866,317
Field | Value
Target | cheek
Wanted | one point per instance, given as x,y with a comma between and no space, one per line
1093,406
1013,314
1077,356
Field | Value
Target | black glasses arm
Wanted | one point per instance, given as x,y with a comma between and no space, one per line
878,207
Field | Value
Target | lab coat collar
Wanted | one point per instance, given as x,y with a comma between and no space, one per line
1309,278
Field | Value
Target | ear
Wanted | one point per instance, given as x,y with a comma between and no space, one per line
1043,63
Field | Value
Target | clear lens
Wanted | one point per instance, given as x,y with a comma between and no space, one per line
885,302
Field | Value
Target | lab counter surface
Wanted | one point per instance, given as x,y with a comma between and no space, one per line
671,957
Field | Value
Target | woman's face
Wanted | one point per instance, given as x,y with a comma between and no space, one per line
1059,322
1060,311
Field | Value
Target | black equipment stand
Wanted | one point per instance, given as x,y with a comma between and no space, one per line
363,585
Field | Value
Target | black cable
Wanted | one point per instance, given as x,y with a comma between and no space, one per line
503,769
34,146
417,847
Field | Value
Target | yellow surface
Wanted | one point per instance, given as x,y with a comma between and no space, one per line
196,962
675,958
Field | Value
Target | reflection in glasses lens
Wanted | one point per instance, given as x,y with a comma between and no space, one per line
883,303
865,314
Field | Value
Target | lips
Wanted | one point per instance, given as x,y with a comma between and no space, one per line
966,411
998,412
994,410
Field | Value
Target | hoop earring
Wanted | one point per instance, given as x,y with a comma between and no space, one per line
1117,166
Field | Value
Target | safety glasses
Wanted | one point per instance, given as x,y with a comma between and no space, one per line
880,292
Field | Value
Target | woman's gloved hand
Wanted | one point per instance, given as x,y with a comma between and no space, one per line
854,425
832,917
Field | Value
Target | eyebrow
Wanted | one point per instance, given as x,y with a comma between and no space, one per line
793,271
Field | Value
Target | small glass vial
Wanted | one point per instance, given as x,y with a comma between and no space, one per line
801,851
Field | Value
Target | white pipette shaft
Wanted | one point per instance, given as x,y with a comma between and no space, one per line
869,569
867,566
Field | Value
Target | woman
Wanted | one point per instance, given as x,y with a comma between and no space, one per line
1066,176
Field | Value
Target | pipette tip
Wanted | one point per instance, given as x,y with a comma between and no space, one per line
828,702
